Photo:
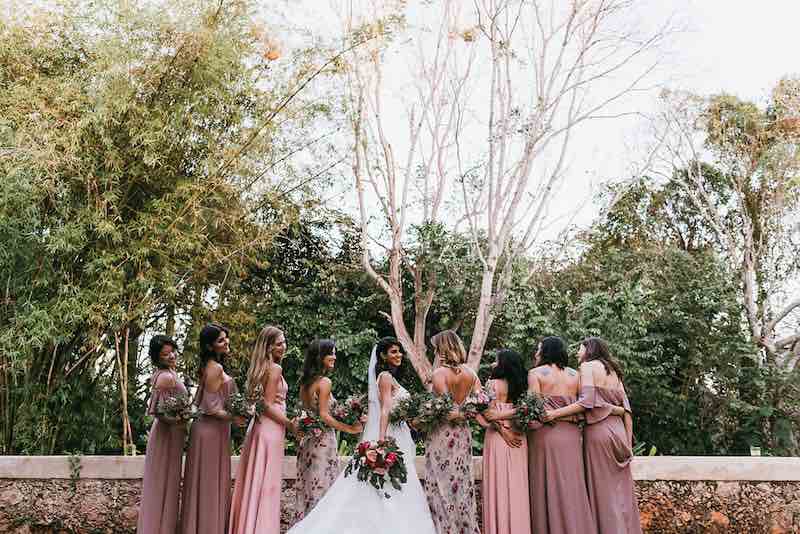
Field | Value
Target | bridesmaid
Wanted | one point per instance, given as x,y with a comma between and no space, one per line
556,467
318,455
448,448
256,503
162,466
207,477
607,440
505,454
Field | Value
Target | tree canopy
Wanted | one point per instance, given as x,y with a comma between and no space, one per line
161,167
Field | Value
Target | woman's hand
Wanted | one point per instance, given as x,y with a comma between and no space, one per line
356,428
618,411
490,414
241,422
513,439
293,428
455,416
548,416
363,419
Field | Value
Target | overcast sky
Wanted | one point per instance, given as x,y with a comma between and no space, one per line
735,46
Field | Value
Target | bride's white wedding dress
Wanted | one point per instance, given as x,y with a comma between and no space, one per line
354,507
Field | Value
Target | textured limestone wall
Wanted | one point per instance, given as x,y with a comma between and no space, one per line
29,506
680,495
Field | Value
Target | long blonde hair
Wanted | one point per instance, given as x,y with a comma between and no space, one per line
450,347
260,358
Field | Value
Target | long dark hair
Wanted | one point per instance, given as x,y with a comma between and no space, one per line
509,368
312,365
383,346
157,343
554,352
208,335
597,349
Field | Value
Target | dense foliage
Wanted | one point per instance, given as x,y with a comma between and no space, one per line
137,151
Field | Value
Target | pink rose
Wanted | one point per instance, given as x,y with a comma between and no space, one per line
391,459
372,457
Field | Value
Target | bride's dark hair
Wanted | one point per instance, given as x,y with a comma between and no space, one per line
381,349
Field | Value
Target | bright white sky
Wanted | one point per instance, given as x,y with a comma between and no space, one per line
726,46
734,46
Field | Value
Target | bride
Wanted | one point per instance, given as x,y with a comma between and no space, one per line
354,507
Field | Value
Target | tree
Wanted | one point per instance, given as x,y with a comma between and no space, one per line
547,68
134,194
738,165
666,302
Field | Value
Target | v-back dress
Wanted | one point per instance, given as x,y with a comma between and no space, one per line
207,476
317,466
256,502
449,481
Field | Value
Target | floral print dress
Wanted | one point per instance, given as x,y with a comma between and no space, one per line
317,467
449,481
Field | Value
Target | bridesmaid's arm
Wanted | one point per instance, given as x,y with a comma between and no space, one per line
212,382
482,421
324,398
628,428
166,381
586,378
270,394
385,395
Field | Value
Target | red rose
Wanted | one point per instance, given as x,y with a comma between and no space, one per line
391,458
362,447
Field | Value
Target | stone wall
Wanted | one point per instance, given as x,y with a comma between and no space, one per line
676,494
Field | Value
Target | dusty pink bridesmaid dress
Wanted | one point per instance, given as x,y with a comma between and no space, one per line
505,483
256,503
158,513
207,477
559,502
608,462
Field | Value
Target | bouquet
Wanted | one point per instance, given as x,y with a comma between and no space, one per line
376,462
176,406
257,401
237,406
351,410
308,423
424,410
478,401
529,408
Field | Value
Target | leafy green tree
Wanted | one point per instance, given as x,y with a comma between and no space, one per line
137,146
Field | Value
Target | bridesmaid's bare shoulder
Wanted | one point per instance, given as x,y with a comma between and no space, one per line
275,372
592,365
165,381
324,382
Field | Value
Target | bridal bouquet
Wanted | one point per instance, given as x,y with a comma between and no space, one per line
351,410
376,462
237,406
529,408
177,406
478,402
424,410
